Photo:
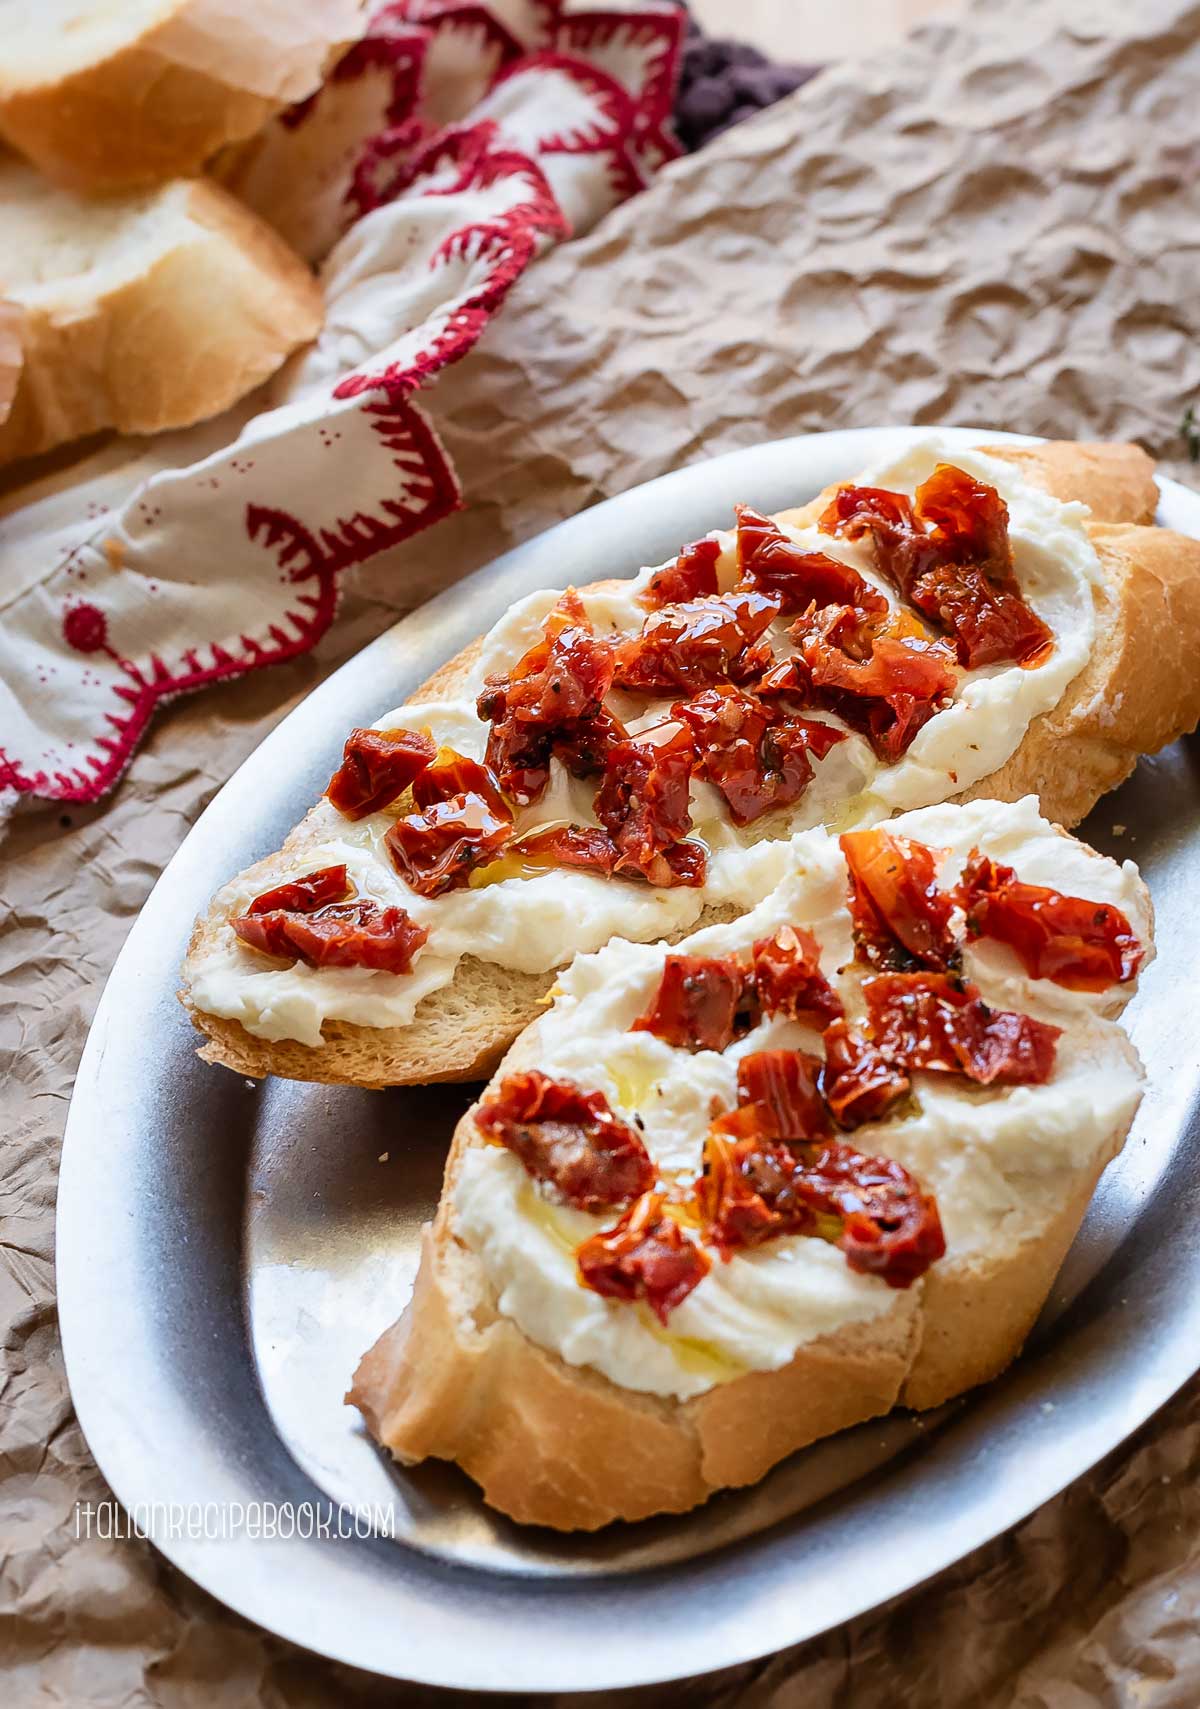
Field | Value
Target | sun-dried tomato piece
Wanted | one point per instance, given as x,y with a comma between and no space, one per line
438,849
769,561
1084,946
342,934
696,1004
590,847
758,758
584,749
556,687
935,1021
890,1227
568,1138
858,1082
972,592
646,1256
900,916
377,766
747,1193
699,643
788,978
778,1098
305,894
885,681
569,845
693,575
948,552
451,774
752,1191
644,801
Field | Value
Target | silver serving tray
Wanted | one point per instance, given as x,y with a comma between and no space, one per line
226,1252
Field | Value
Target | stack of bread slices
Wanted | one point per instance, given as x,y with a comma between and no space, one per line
135,293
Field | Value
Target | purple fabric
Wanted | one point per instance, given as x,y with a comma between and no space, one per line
722,82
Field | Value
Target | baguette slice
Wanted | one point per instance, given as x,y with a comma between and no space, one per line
559,1443
11,321
110,96
1138,692
141,312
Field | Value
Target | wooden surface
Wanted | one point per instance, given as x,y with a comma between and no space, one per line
813,29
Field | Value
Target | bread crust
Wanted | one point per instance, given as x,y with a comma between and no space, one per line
158,104
1138,692
554,1444
205,319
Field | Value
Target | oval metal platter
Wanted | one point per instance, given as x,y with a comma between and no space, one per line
227,1251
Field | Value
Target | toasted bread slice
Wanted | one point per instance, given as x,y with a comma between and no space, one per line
109,96
1137,692
141,312
524,1394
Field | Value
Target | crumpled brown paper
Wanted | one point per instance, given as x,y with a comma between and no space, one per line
996,223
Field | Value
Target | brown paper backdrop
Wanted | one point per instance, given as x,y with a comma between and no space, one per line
997,223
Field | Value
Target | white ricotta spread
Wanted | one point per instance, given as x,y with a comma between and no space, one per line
534,923
996,1159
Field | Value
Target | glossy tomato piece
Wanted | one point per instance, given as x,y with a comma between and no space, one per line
699,643
1084,946
937,1022
900,914
693,575
303,895
342,934
646,1256
788,978
858,1082
439,848
567,1138
773,564
645,800
377,766
696,1004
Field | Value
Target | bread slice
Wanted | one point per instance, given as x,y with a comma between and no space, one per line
1138,692
11,321
141,312
561,1444
113,94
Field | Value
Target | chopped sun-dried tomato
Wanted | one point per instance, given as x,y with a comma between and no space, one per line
900,916
438,849
341,934
758,758
591,847
890,1228
1085,946
377,766
973,592
699,643
769,561
788,978
646,1256
568,1138
870,1207
858,1082
696,1004
747,1193
778,1098
555,689
693,575
935,1021
885,681
305,894
584,748
644,801
452,774
948,553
